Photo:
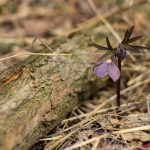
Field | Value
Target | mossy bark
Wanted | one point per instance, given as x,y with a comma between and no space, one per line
37,95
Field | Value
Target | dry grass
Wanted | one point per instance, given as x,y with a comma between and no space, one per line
96,124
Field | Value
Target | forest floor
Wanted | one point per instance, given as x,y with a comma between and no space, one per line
93,124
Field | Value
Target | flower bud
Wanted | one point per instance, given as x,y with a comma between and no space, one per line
120,52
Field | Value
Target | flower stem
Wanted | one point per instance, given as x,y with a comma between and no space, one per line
118,84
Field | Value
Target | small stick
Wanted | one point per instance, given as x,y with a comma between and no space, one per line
36,54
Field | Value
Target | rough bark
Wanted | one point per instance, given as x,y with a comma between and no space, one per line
37,95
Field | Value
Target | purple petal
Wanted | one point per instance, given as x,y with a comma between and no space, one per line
101,69
120,52
113,71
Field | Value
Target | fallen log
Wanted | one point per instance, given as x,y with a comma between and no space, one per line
37,95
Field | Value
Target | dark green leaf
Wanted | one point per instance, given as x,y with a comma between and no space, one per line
98,46
108,43
104,56
134,38
131,49
129,34
125,35
137,47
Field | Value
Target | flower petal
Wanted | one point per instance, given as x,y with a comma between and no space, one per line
120,52
113,71
100,70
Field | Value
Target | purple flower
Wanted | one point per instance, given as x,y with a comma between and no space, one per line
107,68
120,52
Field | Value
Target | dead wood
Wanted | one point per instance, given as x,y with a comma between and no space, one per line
37,95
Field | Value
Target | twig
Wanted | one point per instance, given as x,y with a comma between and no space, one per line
100,111
96,144
35,54
46,54
146,127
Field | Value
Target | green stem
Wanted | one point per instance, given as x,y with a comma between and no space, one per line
118,84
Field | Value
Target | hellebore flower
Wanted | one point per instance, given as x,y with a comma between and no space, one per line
104,68
107,68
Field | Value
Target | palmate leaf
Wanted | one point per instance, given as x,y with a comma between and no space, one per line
135,38
98,46
136,49
105,55
131,49
108,44
127,35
